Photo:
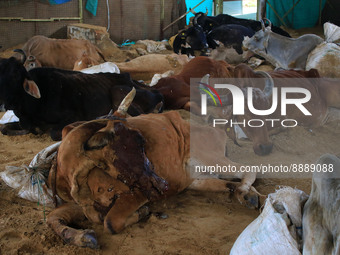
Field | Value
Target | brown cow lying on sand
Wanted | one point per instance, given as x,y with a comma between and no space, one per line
58,53
176,89
108,169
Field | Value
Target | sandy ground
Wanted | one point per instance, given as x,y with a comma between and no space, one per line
197,223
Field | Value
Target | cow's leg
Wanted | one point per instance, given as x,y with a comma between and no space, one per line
243,190
127,210
60,218
193,107
13,129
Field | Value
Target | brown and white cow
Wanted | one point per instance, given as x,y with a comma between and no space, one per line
321,225
108,169
58,53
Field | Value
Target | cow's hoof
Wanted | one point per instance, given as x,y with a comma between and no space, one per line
251,200
144,213
247,197
87,239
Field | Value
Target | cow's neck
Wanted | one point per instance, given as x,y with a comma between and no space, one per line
330,91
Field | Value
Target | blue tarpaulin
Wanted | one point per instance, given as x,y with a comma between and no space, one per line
58,1
91,6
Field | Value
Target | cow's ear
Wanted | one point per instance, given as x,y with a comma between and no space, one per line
31,88
98,141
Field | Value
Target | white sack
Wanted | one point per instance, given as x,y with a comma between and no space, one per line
272,232
332,32
31,180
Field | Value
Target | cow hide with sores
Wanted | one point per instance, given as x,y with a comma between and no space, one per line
326,59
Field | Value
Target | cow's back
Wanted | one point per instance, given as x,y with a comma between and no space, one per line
60,53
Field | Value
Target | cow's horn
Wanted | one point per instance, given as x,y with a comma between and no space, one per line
269,22
224,98
192,11
268,88
263,25
23,53
125,104
196,18
206,12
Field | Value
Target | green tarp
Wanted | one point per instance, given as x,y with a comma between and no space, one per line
304,14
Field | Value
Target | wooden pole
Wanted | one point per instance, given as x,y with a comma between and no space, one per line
219,7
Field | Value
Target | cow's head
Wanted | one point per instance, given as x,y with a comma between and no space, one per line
108,170
202,19
261,101
258,43
15,81
29,62
199,18
194,38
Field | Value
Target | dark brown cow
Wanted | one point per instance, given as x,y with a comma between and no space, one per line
108,169
58,53
176,89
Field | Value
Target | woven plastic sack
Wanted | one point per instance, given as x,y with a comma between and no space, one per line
274,231
31,180
332,32
326,59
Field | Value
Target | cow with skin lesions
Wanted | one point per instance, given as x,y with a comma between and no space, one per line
108,169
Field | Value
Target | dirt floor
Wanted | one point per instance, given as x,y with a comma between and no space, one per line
197,222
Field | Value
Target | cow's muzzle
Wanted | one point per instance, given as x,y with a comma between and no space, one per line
263,149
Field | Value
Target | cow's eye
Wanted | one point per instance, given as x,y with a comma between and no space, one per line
256,38
110,189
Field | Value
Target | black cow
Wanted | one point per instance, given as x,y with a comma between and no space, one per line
47,99
193,38
209,23
230,35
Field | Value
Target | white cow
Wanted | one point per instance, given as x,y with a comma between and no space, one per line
321,222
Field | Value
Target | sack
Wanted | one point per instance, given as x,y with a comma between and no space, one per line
273,232
31,180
